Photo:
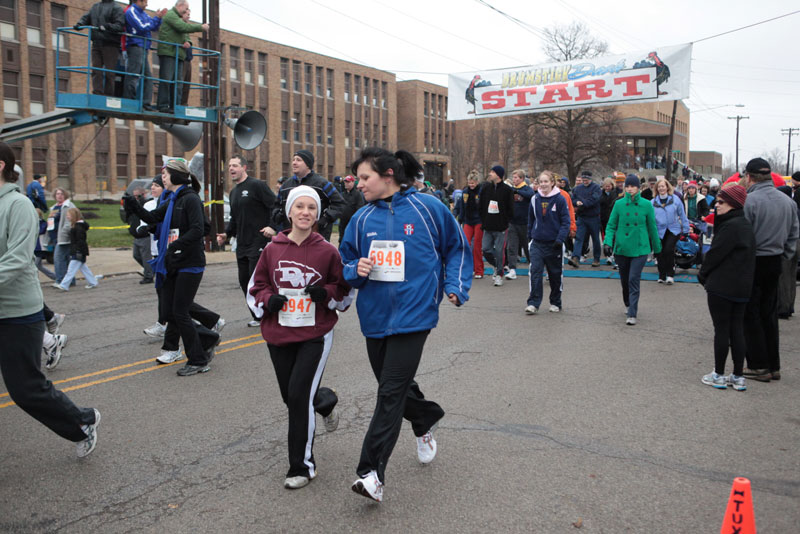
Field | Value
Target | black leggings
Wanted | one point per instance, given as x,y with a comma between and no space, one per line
728,319
246,264
394,362
666,258
177,294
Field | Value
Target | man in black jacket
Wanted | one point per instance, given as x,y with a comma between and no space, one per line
332,202
108,20
353,199
252,204
497,210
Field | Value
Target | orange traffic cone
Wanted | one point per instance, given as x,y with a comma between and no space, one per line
739,517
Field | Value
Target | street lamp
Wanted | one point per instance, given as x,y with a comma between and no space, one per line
720,106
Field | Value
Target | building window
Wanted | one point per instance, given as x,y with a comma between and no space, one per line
262,69
346,87
101,165
374,93
319,81
308,129
11,92
439,106
330,130
122,168
141,165
366,91
307,79
285,125
39,159
329,88
285,169
358,134
383,135
383,95
284,72
58,19
8,20
248,66
347,134
34,9
296,121
37,94
356,89
425,106
296,76
319,130
233,62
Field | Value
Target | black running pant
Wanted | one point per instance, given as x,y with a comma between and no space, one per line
177,294
394,360
20,363
728,319
761,316
246,264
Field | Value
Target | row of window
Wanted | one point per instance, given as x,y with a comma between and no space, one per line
361,92
437,104
34,20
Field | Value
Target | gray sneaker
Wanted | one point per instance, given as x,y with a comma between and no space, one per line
331,420
189,370
157,330
54,353
737,382
54,324
714,380
169,356
219,326
87,445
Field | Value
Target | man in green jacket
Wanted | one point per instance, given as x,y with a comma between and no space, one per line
632,232
170,58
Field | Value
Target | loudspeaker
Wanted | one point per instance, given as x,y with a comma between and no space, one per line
249,129
187,136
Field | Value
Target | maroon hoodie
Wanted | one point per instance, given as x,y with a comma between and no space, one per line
285,264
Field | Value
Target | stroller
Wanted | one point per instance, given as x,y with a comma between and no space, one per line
688,251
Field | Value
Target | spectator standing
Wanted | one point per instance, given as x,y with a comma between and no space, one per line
138,80
586,200
775,225
650,191
727,275
787,286
518,229
108,22
171,58
468,213
353,200
607,199
497,211
142,242
631,235
60,231
22,321
694,204
36,192
671,222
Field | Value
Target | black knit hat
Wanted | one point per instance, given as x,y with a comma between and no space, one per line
307,157
499,171
158,181
632,179
758,166
586,174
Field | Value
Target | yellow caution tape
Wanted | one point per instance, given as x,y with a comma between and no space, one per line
213,202
108,227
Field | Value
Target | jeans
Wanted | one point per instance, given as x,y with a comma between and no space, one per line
592,226
630,276
545,254
728,319
74,266
167,81
761,332
104,57
517,236
666,258
137,56
21,366
61,261
44,270
493,243
474,235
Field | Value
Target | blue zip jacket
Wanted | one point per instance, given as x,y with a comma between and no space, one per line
670,216
590,196
548,217
139,23
438,261
524,193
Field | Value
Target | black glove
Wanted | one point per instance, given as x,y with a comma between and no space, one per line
77,27
276,302
607,251
128,203
317,293
558,247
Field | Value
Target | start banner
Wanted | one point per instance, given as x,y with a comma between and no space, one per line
654,75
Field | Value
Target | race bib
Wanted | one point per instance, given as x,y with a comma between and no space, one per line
493,208
51,224
299,310
388,261
174,234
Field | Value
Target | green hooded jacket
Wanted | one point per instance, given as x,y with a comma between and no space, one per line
20,291
174,30
632,229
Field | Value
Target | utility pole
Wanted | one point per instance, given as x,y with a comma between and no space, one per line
790,132
738,118
670,159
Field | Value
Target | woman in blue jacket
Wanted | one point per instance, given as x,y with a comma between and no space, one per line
671,222
402,251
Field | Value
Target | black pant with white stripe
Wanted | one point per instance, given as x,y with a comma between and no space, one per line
299,368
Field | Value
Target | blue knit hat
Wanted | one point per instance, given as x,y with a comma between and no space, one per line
499,171
632,179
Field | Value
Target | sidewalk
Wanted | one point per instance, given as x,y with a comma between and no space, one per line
116,261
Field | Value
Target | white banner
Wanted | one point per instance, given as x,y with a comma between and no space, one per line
656,75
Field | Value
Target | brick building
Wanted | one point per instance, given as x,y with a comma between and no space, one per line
707,163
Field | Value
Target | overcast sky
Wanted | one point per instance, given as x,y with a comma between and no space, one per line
417,39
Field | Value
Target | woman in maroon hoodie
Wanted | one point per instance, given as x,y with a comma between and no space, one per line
295,290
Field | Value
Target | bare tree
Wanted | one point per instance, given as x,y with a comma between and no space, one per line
777,160
573,139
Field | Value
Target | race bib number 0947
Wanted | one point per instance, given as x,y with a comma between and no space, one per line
388,261
299,310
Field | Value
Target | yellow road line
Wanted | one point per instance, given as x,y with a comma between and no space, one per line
134,373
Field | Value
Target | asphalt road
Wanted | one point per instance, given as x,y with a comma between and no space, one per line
555,423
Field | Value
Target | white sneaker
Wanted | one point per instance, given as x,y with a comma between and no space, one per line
59,286
219,326
54,353
90,286
54,324
426,448
511,274
87,445
554,308
369,486
157,330
254,323
331,420
169,356
531,310
670,281
631,321
497,279
296,482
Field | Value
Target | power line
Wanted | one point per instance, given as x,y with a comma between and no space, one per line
743,66
524,25
745,27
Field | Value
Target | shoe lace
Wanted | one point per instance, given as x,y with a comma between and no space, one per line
426,439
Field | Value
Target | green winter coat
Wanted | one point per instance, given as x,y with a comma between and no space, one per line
631,229
174,30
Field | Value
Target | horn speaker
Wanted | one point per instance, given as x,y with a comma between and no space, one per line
249,129
187,136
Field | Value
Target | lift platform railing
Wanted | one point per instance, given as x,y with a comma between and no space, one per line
117,105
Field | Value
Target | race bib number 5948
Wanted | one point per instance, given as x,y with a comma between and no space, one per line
388,261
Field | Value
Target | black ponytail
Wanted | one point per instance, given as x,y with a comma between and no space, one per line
403,164
10,175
